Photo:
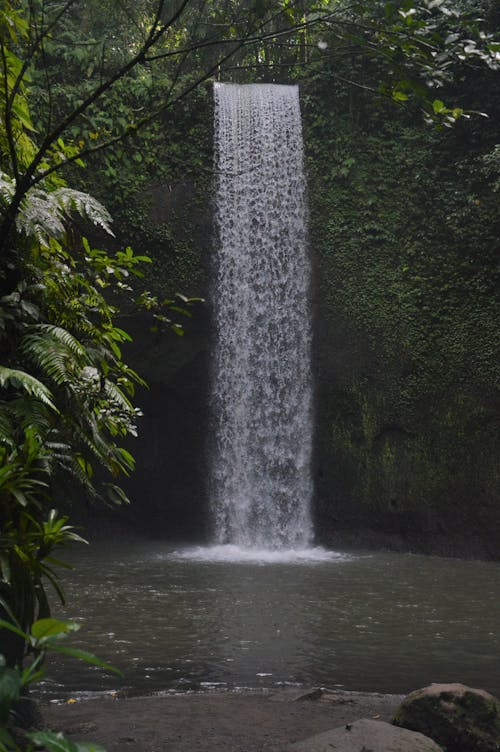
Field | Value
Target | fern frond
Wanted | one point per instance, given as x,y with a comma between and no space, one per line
6,426
56,352
61,451
115,394
46,355
92,438
62,335
68,200
40,217
30,412
26,382
7,187
72,467
43,214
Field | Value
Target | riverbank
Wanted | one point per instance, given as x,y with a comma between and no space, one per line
213,721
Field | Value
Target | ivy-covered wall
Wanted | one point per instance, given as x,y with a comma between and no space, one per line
404,235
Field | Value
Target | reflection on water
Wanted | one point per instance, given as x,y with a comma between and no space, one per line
378,622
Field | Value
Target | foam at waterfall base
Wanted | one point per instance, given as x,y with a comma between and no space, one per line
244,555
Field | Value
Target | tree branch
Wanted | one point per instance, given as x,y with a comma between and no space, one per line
8,116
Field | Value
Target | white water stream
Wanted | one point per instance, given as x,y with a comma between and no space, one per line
261,383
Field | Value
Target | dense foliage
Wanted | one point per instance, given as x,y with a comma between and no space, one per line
405,230
66,392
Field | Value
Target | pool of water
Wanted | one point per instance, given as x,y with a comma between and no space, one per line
210,618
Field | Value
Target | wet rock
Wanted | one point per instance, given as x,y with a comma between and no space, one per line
367,736
459,718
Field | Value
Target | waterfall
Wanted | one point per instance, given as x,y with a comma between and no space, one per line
261,382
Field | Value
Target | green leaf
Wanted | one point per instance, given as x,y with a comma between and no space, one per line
116,494
438,106
53,742
45,628
12,628
33,672
7,743
183,311
10,689
23,380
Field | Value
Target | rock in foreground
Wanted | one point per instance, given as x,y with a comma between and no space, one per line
367,736
459,718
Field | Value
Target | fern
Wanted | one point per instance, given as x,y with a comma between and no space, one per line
56,352
70,465
60,451
43,214
65,337
7,187
69,200
40,217
30,412
51,358
31,385
6,426
90,436
116,396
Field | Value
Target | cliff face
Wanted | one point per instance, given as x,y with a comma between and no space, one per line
403,240
386,479
402,236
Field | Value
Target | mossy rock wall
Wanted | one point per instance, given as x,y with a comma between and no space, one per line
403,241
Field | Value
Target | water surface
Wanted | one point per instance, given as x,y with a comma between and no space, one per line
174,620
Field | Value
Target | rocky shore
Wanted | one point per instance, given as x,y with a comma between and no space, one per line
439,717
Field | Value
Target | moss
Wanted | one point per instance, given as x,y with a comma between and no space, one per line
405,269
460,722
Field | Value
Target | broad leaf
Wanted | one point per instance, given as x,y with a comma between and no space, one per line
45,628
53,742
10,689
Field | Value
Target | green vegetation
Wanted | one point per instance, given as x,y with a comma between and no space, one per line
106,103
405,231
46,635
67,393
400,118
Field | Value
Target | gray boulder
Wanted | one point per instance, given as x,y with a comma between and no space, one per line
367,736
459,718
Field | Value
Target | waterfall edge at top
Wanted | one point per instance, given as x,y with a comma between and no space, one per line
262,87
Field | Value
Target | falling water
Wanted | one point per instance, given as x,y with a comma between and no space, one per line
262,394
